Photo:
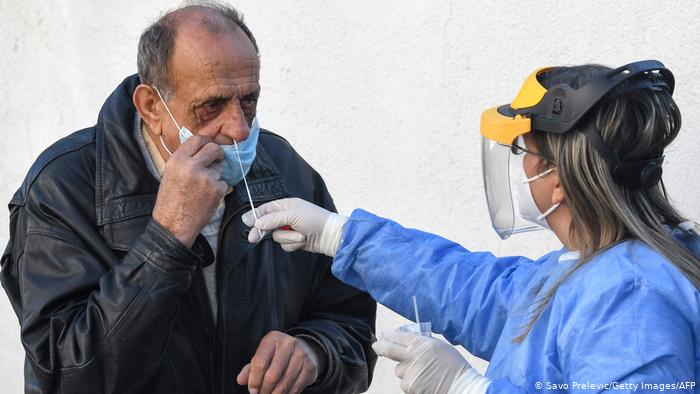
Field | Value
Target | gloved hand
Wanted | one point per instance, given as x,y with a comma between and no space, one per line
429,365
312,228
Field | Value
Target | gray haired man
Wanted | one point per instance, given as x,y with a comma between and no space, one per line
128,264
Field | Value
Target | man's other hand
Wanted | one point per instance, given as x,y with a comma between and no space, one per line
190,189
281,364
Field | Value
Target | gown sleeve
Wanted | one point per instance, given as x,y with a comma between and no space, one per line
465,295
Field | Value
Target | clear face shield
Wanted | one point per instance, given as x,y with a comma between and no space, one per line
502,171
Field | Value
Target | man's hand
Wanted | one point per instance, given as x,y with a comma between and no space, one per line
190,189
282,364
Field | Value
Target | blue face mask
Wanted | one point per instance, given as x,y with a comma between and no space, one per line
237,157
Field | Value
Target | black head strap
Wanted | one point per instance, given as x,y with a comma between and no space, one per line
562,107
635,174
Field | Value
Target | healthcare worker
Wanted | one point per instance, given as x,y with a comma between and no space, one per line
579,151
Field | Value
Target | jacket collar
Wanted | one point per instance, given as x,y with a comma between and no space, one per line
125,189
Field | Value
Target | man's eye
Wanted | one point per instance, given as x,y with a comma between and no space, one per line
248,102
212,106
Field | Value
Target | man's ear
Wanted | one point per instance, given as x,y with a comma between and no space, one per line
558,195
146,102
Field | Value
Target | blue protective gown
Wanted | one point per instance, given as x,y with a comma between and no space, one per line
626,317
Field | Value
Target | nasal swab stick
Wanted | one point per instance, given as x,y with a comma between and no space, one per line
250,199
415,308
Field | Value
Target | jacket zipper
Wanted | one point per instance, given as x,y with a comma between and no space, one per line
206,309
216,333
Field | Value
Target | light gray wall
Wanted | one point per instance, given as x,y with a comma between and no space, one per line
383,98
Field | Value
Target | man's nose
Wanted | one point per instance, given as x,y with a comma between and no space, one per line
235,124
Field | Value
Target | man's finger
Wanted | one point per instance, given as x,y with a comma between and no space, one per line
223,187
285,383
303,379
216,169
259,363
191,146
303,367
279,366
390,350
242,378
214,172
208,154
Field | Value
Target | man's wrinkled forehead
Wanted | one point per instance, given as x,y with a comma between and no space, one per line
198,44
198,28
200,56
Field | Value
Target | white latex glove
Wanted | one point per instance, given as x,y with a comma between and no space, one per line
429,365
312,228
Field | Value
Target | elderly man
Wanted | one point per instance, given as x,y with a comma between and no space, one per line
128,264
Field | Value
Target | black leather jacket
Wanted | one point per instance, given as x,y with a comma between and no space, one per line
110,302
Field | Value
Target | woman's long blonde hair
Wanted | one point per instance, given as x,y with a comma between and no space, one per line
638,124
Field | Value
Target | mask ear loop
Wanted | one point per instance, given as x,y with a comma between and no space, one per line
171,117
550,210
540,176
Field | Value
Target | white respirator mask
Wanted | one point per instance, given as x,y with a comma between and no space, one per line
523,201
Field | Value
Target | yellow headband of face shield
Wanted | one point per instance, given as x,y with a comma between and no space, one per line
505,129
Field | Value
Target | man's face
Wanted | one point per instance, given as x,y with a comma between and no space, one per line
216,83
